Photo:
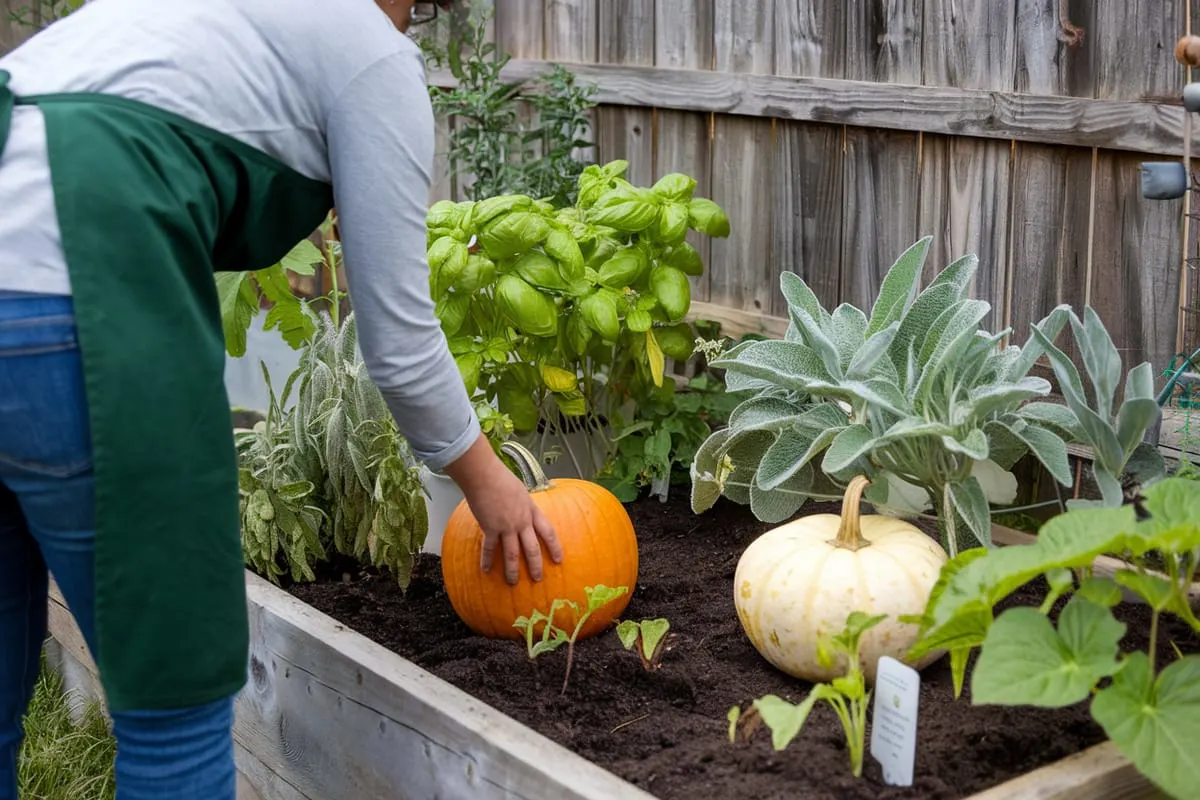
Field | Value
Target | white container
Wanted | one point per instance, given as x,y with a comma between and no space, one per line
443,497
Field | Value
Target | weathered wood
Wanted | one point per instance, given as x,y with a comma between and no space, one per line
520,28
627,37
1098,773
1153,126
330,714
810,37
570,35
683,39
1134,284
736,323
882,201
741,155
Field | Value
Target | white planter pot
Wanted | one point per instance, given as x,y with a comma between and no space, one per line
444,497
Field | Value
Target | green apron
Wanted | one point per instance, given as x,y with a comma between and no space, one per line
150,205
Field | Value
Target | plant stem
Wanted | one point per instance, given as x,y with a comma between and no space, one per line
947,513
1153,649
849,535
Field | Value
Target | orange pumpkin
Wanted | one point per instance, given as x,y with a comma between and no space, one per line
599,547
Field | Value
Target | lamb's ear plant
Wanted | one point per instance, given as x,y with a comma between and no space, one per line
915,395
847,695
1152,715
649,637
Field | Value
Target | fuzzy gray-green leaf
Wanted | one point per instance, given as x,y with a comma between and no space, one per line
899,286
847,448
971,504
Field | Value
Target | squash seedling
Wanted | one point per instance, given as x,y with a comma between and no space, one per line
651,634
848,695
553,636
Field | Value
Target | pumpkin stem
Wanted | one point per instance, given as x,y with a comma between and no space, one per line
531,472
850,532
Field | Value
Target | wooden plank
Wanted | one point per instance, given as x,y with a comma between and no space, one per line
1134,278
881,221
965,183
1050,232
520,28
1149,127
1044,62
883,42
810,38
736,323
1098,773
571,28
682,140
341,716
627,37
808,206
1135,45
440,187
743,41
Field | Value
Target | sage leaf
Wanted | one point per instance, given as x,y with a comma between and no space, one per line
1054,417
1024,661
899,286
958,274
1047,447
971,504
974,445
871,353
782,459
847,329
1100,359
850,445
778,503
1139,409
799,294
1155,723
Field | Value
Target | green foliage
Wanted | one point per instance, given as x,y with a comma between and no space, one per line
494,148
552,637
658,446
332,471
556,318
45,12
651,635
1027,660
847,695
241,294
915,396
63,757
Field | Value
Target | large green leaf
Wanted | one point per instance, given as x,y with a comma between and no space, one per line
708,473
958,274
813,334
974,445
1050,326
850,445
1097,430
764,412
989,399
1024,661
239,303
1053,416
287,310
1046,446
798,294
899,286
783,458
959,332
1100,359
1155,723
779,502
971,503
873,352
848,330
786,364
916,323
1174,524
1139,409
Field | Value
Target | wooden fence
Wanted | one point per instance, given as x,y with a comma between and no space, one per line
837,132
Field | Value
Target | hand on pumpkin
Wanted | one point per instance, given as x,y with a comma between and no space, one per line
504,510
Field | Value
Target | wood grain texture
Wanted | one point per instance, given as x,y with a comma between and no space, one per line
1153,126
1049,235
883,41
882,201
808,205
810,38
1134,48
970,44
683,39
1134,278
571,29
520,28
742,155
627,37
965,206
1098,773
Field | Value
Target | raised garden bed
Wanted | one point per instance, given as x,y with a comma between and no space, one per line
666,732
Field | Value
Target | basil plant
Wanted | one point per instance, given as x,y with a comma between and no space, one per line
934,410
569,312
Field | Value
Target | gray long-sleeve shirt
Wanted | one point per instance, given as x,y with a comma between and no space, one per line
331,89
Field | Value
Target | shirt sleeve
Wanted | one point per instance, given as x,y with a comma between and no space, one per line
381,139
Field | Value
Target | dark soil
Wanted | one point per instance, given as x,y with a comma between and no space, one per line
667,732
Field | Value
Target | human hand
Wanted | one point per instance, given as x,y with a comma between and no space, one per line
506,512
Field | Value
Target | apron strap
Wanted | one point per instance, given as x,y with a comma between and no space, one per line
7,101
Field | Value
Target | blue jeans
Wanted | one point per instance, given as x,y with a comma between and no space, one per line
46,523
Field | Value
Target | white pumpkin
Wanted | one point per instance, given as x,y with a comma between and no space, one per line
802,579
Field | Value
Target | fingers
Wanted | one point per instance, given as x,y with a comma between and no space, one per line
533,553
545,532
511,543
488,556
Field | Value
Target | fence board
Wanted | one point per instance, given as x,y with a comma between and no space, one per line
520,28
743,41
1135,274
627,37
683,39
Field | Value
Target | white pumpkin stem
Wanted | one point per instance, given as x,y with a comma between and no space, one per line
531,471
850,532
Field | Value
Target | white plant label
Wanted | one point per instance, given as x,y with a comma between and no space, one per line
894,724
